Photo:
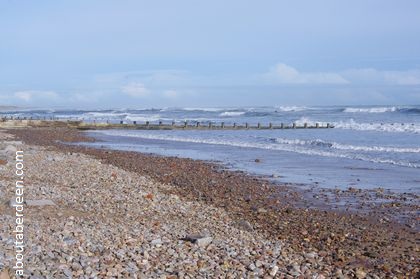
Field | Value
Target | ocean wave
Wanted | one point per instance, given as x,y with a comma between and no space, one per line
143,118
353,125
267,146
371,110
301,121
203,109
122,116
290,108
410,110
384,127
258,114
104,115
346,147
402,109
68,116
231,113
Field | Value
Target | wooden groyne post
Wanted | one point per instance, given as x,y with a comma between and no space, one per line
10,120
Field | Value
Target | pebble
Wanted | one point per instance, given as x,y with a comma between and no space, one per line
156,242
204,241
360,274
274,271
252,267
245,225
105,227
40,203
311,255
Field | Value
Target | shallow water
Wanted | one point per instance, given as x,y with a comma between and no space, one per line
295,163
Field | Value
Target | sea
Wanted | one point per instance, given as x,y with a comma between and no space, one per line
369,146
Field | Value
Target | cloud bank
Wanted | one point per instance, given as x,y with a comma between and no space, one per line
30,95
183,88
373,76
282,73
135,89
285,74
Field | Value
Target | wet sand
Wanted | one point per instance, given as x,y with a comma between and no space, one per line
359,242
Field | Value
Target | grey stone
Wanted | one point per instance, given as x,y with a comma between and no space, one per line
204,242
12,202
274,270
10,149
262,210
157,241
244,225
68,273
39,202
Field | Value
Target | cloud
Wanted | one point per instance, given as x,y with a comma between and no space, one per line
23,95
29,95
164,77
170,87
373,76
170,94
284,74
135,89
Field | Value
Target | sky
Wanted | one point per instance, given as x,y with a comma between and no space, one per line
137,54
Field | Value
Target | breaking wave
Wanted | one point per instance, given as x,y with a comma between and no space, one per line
412,110
290,108
348,147
384,127
231,113
268,146
371,110
203,109
353,125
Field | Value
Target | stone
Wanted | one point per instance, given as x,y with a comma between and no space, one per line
360,274
200,240
274,271
262,210
121,238
4,274
258,263
204,242
244,225
252,267
39,203
156,241
311,255
10,149
68,273
12,202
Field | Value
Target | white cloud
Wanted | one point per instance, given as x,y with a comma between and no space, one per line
170,94
151,78
167,77
285,74
23,95
282,73
29,95
373,76
135,89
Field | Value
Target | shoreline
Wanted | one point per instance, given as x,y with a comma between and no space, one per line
346,241
383,204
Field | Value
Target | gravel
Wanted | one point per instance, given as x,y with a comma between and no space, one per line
116,220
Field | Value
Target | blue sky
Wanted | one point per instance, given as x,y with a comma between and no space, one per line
107,54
